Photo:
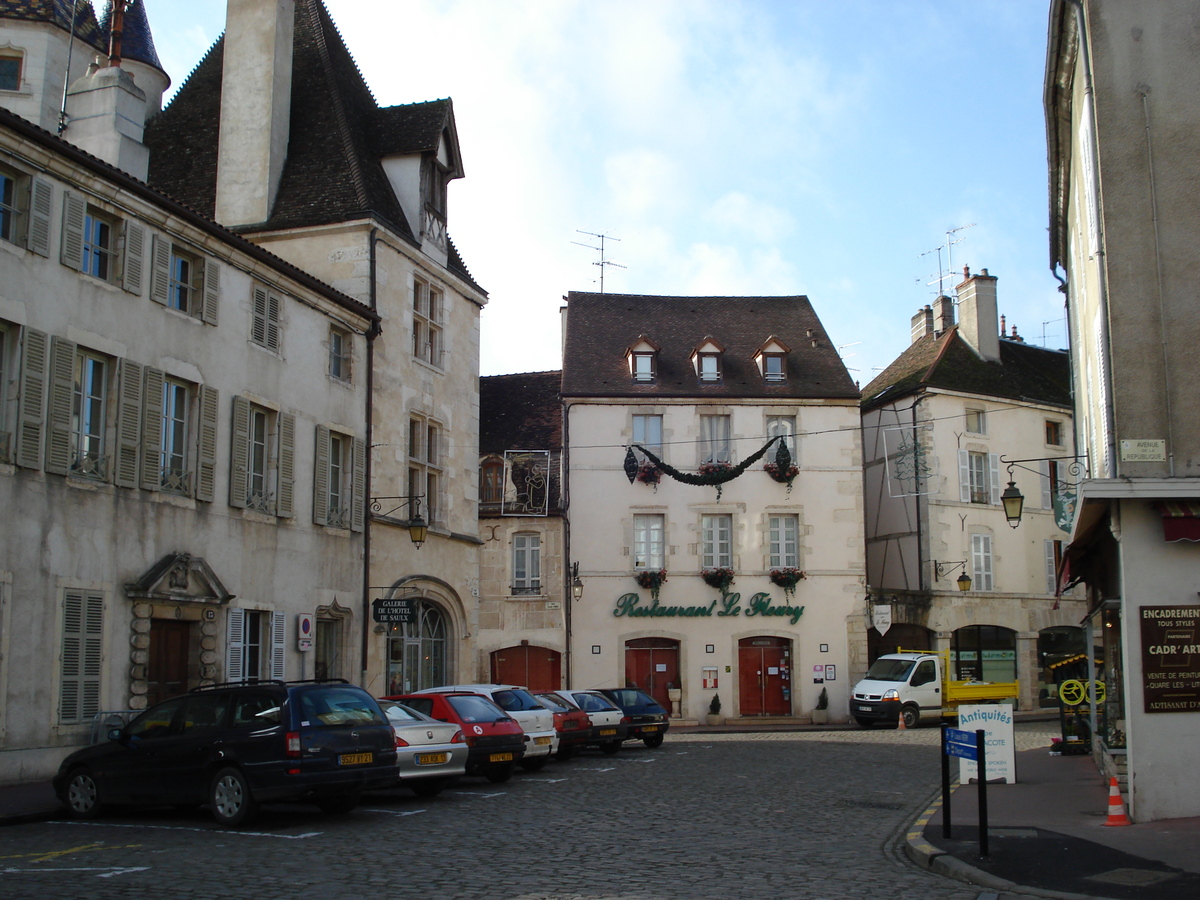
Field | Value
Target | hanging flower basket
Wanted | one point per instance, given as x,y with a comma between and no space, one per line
649,473
783,476
716,474
720,578
651,579
787,578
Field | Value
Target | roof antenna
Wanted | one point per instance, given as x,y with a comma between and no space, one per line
942,274
603,262
62,113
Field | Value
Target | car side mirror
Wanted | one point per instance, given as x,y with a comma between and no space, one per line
114,734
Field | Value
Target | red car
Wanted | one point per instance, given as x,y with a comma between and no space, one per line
495,741
572,723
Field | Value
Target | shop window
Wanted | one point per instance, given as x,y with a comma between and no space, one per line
985,653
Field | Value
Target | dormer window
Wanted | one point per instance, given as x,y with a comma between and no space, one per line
642,356
707,360
772,360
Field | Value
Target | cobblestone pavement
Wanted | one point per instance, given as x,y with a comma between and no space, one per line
803,815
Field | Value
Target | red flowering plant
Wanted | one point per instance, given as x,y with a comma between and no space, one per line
649,473
720,577
651,579
782,474
787,577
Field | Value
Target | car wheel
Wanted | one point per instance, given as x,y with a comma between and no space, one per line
912,716
566,751
429,787
338,804
230,798
536,764
83,797
610,747
655,740
864,723
500,772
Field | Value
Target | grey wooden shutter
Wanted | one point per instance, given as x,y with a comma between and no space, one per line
994,478
82,656
235,645
321,478
273,314
135,251
129,424
206,445
210,291
30,409
258,318
160,269
285,491
152,431
41,195
358,499
278,648
58,405
239,452
1047,499
74,210
964,476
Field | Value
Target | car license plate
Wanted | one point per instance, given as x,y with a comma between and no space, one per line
500,757
432,759
649,728
355,759
542,740
604,732
864,709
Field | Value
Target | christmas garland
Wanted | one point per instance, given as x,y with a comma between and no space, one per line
715,477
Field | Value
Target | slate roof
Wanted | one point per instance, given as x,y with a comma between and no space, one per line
601,327
945,360
520,412
338,133
58,12
136,40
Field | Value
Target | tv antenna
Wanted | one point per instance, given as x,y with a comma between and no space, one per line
943,274
603,263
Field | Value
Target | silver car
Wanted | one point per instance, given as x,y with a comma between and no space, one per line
609,724
541,739
431,754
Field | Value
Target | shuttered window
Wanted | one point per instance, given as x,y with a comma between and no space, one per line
254,645
262,459
265,313
981,562
82,656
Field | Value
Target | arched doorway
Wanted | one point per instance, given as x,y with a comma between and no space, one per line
537,668
985,653
765,676
417,653
898,637
1062,655
652,664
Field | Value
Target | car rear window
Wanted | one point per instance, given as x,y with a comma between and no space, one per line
421,704
338,706
631,697
400,714
475,709
258,710
593,703
554,703
514,700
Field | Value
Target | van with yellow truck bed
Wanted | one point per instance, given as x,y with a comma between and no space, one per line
916,685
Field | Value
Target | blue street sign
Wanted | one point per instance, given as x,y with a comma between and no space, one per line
960,744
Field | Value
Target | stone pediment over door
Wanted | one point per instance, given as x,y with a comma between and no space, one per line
179,578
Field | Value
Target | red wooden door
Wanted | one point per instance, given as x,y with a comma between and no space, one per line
765,676
166,671
537,668
652,664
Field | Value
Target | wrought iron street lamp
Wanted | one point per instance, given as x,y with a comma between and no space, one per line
418,529
942,569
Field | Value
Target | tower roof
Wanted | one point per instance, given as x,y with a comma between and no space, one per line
136,40
58,13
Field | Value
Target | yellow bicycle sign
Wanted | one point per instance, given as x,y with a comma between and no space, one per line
1073,692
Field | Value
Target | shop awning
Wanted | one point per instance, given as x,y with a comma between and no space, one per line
1180,519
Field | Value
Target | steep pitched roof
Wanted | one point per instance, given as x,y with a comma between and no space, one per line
58,12
944,360
136,40
520,412
601,327
333,172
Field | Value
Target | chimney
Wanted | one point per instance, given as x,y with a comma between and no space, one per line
256,99
106,116
977,320
943,313
922,323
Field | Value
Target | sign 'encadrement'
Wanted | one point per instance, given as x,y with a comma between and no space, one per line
1170,658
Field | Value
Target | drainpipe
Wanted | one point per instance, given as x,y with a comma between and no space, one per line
565,501
372,333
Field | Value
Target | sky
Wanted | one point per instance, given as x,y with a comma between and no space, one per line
731,147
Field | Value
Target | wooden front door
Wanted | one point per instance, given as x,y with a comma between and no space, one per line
167,669
652,664
765,676
537,668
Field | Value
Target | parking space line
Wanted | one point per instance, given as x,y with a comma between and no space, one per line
546,780
104,871
395,812
222,832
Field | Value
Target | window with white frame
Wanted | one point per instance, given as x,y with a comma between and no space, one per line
82,655
425,466
89,414
263,459
175,449
643,367
527,564
979,477
648,542
341,346
784,427
981,562
716,541
774,367
785,541
176,422
427,322
716,444
648,432
254,645
90,240
11,212
710,366
265,310
339,480
183,280
25,206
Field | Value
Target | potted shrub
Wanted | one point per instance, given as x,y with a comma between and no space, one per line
820,715
714,711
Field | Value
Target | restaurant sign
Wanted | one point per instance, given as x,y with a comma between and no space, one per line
1170,658
729,605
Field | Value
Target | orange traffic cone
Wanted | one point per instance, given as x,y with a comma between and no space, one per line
900,724
1116,808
